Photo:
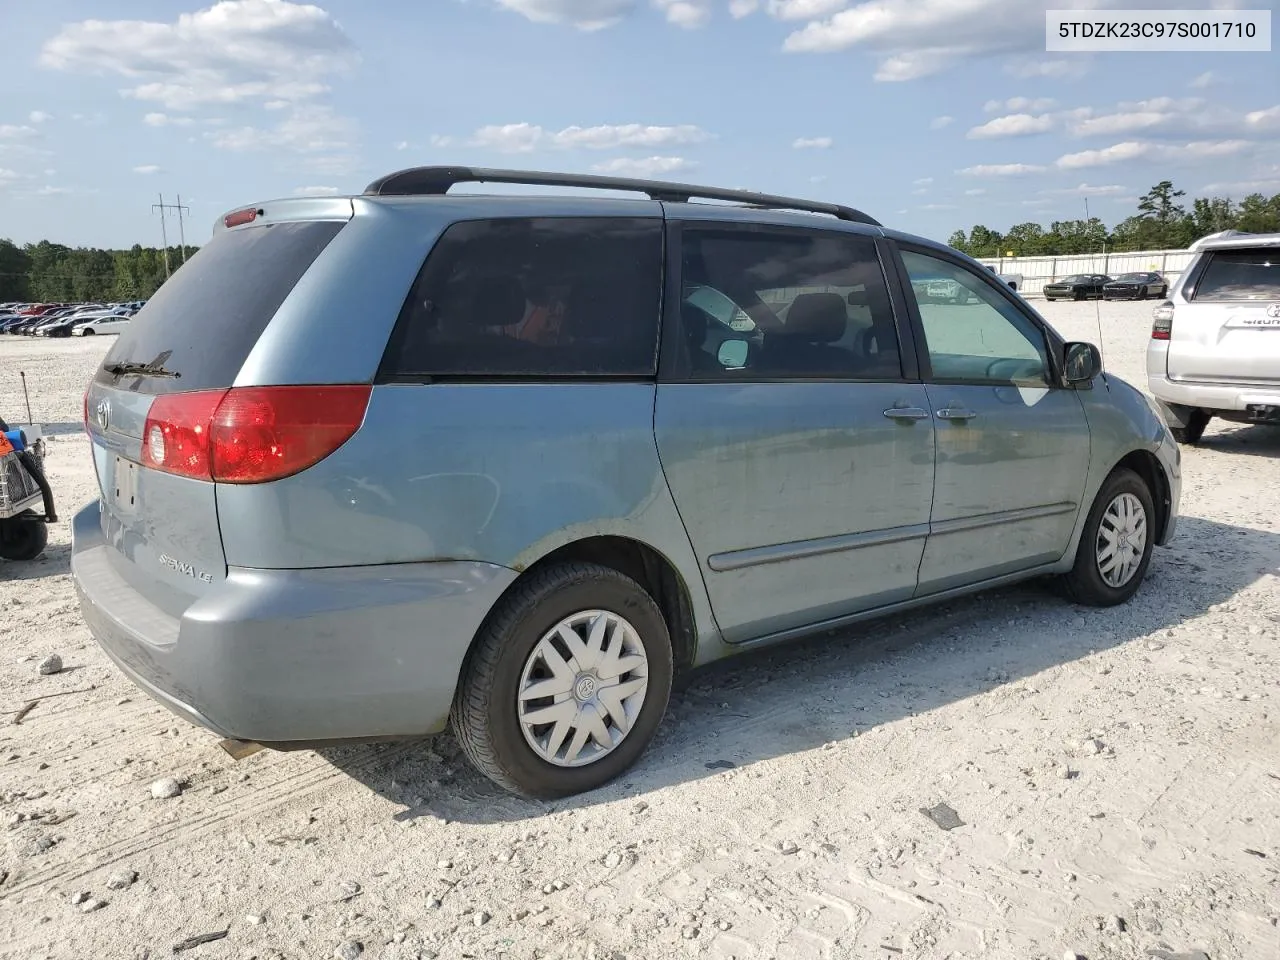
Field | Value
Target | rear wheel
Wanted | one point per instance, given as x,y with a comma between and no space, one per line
1197,420
1115,547
567,682
88,332
1077,295
23,538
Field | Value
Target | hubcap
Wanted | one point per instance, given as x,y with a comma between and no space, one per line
582,688
1122,539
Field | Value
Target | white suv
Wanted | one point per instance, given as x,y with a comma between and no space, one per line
1215,343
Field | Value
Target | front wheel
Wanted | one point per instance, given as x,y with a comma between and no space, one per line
1115,546
567,682
87,333
23,538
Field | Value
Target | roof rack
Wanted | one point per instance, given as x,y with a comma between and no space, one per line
436,181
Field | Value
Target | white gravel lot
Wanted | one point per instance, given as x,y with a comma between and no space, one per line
1117,773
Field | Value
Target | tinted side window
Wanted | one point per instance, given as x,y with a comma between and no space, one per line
1241,275
205,319
796,303
973,333
534,297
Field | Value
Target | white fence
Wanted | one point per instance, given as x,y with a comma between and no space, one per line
1037,271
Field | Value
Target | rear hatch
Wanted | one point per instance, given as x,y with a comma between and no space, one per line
192,337
1228,328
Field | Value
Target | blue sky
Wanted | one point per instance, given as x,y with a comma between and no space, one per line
929,114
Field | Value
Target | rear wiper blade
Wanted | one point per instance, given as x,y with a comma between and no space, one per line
151,369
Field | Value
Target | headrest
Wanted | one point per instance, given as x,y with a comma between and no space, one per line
483,302
816,318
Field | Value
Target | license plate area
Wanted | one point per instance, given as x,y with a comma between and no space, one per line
123,488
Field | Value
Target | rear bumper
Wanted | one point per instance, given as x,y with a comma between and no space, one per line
1212,396
281,656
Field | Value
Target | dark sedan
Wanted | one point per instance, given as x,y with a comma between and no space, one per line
1136,286
1076,287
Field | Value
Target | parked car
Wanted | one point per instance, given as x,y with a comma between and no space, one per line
1215,343
520,503
1076,287
102,325
1015,281
1136,286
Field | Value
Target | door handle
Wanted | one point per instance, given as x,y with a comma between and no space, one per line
906,413
956,413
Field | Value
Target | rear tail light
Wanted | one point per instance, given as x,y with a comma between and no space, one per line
250,434
1162,321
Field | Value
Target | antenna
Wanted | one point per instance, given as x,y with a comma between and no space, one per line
1097,304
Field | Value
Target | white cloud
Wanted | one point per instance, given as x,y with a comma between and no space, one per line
309,128
686,13
742,8
583,14
975,192
51,191
812,143
1001,170
1206,79
1161,152
1264,120
804,9
1053,69
1013,125
164,120
233,51
527,137
147,168
939,123
8,176
916,38
10,131
938,206
923,181
402,145
645,167
315,192
39,116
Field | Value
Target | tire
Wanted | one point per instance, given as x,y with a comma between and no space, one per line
1077,296
87,333
23,538
505,658
1086,584
1197,420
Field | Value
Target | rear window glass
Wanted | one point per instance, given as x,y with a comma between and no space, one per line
1241,275
205,319
534,297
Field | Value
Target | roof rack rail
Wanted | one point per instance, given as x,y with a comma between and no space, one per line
436,181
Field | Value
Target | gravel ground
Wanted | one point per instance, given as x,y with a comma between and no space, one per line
1116,772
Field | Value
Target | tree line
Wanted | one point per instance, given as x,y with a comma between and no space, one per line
51,272
1161,223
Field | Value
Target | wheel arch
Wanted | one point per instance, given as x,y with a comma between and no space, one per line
1147,466
649,567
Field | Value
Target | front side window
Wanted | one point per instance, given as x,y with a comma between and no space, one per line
787,303
981,338
553,297
1241,275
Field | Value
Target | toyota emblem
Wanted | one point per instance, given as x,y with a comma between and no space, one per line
103,412
1274,310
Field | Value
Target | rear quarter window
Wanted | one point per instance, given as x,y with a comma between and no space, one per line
534,297
1240,275
205,319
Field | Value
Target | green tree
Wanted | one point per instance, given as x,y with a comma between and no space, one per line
15,265
1259,215
1212,215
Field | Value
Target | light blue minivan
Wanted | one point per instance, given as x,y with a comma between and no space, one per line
372,464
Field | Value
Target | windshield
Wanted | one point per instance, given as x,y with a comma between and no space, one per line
1131,277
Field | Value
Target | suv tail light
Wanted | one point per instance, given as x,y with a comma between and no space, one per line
250,434
1162,321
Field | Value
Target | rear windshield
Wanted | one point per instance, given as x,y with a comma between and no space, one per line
1241,275
203,322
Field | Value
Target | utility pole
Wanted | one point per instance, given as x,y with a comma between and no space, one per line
164,233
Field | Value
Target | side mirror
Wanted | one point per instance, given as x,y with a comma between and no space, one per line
1081,363
733,354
